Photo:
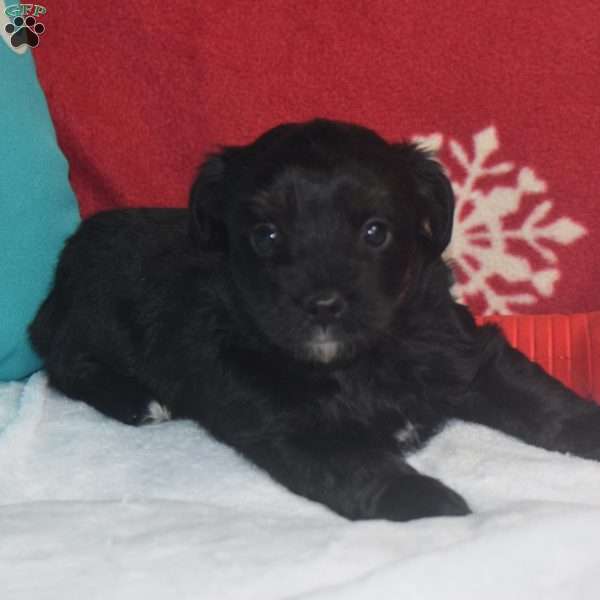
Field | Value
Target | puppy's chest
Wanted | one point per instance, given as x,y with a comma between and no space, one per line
392,408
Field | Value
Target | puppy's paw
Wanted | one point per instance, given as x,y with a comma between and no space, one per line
580,435
156,413
132,412
417,497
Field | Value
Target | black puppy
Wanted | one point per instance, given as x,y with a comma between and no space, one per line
301,312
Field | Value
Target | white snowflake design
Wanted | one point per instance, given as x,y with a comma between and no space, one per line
483,248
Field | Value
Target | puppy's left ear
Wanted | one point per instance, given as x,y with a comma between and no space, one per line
207,204
434,190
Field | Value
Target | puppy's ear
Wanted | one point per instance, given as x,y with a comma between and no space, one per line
207,204
434,190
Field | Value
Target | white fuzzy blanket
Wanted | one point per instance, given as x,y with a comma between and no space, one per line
92,509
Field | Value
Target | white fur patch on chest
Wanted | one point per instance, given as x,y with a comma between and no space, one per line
157,413
408,434
323,348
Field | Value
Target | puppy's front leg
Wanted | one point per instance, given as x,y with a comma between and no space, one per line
517,396
358,481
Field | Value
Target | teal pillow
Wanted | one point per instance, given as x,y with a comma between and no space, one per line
38,209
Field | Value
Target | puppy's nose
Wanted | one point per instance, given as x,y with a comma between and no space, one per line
325,307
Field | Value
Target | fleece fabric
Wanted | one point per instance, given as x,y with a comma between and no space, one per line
90,508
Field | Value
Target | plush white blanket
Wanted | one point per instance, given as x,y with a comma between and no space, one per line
92,509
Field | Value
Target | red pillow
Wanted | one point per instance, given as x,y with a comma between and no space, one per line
510,90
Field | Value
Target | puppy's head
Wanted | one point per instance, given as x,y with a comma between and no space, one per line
327,228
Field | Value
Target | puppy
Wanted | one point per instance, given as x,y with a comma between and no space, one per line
300,311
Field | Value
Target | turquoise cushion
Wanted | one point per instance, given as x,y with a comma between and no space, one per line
38,209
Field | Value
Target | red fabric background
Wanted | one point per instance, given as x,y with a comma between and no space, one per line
566,346
140,91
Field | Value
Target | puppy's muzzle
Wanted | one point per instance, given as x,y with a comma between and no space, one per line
325,310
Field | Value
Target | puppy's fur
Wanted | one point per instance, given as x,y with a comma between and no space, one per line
300,311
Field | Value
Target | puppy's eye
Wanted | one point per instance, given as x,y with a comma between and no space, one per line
265,238
376,233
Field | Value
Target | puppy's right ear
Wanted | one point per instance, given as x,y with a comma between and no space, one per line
207,205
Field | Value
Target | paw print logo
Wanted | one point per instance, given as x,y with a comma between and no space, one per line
25,31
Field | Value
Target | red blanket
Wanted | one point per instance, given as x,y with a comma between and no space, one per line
508,92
